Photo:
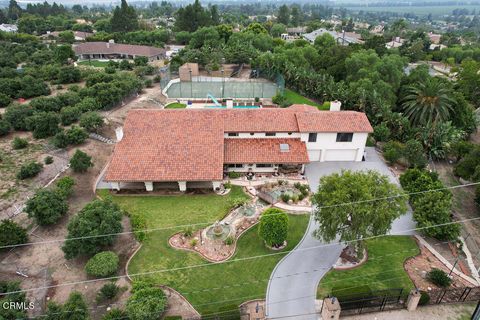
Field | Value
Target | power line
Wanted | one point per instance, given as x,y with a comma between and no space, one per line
234,260
401,195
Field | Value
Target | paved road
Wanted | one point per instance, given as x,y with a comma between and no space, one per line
293,296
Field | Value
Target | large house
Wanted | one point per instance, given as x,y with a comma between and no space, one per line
343,38
198,146
112,50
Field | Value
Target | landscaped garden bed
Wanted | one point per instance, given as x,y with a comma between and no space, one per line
217,242
209,287
289,192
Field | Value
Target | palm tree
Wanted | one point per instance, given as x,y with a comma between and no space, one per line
428,102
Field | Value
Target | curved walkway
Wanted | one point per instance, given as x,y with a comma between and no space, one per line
294,296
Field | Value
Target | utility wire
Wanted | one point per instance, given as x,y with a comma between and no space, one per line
235,260
208,223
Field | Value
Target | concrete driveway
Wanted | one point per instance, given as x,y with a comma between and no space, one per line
293,284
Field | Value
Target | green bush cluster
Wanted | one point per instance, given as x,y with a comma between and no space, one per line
439,278
468,167
11,233
103,264
29,170
430,208
73,136
19,143
107,292
234,175
411,152
80,161
146,303
273,227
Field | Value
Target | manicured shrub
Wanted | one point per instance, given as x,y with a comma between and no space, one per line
80,161
19,143
439,278
146,304
11,233
73,136
285,197
381,132
29,170
103,264
424,298
273,227
4,127
148,83
193,243
46,207
48,160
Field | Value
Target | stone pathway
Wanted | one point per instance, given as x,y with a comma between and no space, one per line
101,138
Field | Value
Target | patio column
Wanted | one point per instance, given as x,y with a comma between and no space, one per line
115,185
303,168
149,185
182,185
216,185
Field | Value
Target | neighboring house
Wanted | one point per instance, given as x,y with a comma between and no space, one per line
437,46
78,35
434,38
395,43
296,31
192,146
112,50
173,50
8,27
343,38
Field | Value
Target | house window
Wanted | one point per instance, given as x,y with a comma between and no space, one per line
233,134
344,137
270,134
235,165
312,137
264,165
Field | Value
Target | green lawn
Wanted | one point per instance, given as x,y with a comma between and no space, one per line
296,98
93,63
205,286
378,273
175,105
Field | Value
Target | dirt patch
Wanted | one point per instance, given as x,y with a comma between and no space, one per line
463,208
418,267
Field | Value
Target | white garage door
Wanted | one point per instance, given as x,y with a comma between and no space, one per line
314,155
340,155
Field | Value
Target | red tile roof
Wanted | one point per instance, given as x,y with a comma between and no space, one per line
189,144
117,48
333,121
169,145
260,150
259,120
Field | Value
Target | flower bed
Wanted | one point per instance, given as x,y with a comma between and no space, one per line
293,193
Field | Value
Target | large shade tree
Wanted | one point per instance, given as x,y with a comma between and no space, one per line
428,102
356,205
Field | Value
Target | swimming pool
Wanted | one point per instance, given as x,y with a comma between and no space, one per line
235,107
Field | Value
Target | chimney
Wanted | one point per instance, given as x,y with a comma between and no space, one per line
119,133
335,105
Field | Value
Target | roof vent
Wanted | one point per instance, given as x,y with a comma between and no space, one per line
284,147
